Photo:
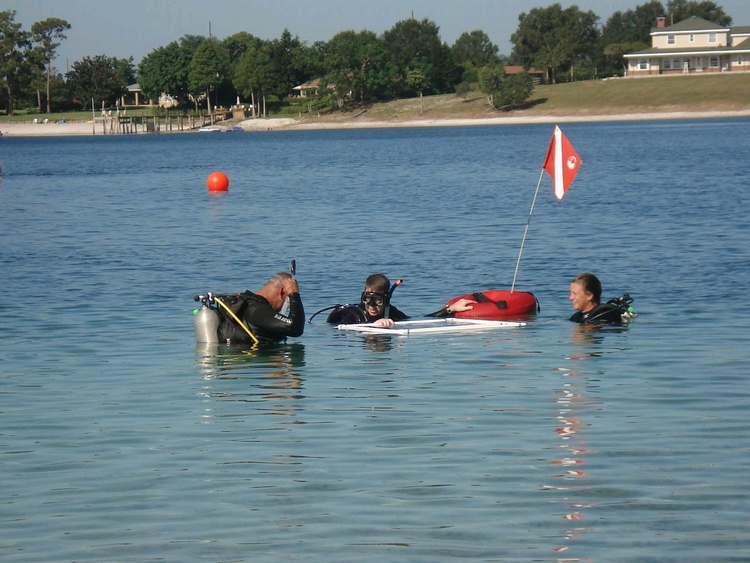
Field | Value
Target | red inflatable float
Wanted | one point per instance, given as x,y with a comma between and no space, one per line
495,304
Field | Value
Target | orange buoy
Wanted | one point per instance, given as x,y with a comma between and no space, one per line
217,182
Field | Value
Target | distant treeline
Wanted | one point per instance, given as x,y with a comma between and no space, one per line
352,68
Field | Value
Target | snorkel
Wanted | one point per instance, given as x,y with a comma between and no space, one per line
387,309
292,272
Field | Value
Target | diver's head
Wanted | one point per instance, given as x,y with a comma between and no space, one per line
585,292
375,296
276,289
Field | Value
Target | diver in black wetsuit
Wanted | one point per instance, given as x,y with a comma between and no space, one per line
585,295
260,311
374,305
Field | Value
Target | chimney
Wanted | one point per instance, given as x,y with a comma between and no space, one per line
661,21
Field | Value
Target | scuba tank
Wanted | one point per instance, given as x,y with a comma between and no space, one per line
617,311
206,321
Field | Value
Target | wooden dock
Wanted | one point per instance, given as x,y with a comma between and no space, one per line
132,125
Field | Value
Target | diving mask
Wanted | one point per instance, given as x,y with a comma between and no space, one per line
372,299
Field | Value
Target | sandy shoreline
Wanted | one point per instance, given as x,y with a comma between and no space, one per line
291,124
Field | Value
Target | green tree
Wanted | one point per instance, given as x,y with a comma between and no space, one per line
504,90
287,58
100,79
416,80
191,43
15,44
412,44
356,62
34,75
555,39
237,45
253,76
47,34
314,55
165,69
627,32
464,89
208,68
472,51
60,93
490,79
613,56
679,10
632,26
476,48
514,90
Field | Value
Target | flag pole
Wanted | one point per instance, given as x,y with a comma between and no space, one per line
526,230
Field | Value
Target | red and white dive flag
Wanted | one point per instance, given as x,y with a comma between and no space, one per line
562,162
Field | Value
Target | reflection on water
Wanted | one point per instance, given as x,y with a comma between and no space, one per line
585,335
270,376
378,342
571,403
219,361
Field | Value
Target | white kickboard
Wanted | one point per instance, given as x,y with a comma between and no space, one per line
431,326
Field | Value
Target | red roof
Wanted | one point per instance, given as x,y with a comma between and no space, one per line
511,69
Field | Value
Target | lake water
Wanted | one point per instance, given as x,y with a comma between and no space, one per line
121,440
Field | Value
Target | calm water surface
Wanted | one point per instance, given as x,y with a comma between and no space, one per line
121,440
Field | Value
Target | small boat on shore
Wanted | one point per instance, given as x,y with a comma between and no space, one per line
210,129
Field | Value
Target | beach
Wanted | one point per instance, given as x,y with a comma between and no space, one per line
53,129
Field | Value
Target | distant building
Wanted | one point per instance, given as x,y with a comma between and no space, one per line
134,97
536,75
307,89
692,46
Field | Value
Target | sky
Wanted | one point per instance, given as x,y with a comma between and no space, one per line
134,28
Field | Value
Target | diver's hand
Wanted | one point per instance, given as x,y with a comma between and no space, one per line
290,286
460,305
384,323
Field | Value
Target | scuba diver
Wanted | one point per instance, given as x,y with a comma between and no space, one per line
374,306
585,295
252,318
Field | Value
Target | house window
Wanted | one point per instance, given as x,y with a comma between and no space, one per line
712,37
666,64
670,39
642,64
692,37
713,62
676,64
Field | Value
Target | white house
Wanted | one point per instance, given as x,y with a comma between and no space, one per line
692,46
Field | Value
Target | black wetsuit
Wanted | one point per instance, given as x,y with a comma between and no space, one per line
355,314
601,314
265,323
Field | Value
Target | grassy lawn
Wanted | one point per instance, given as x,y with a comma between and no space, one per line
706,93
719,92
